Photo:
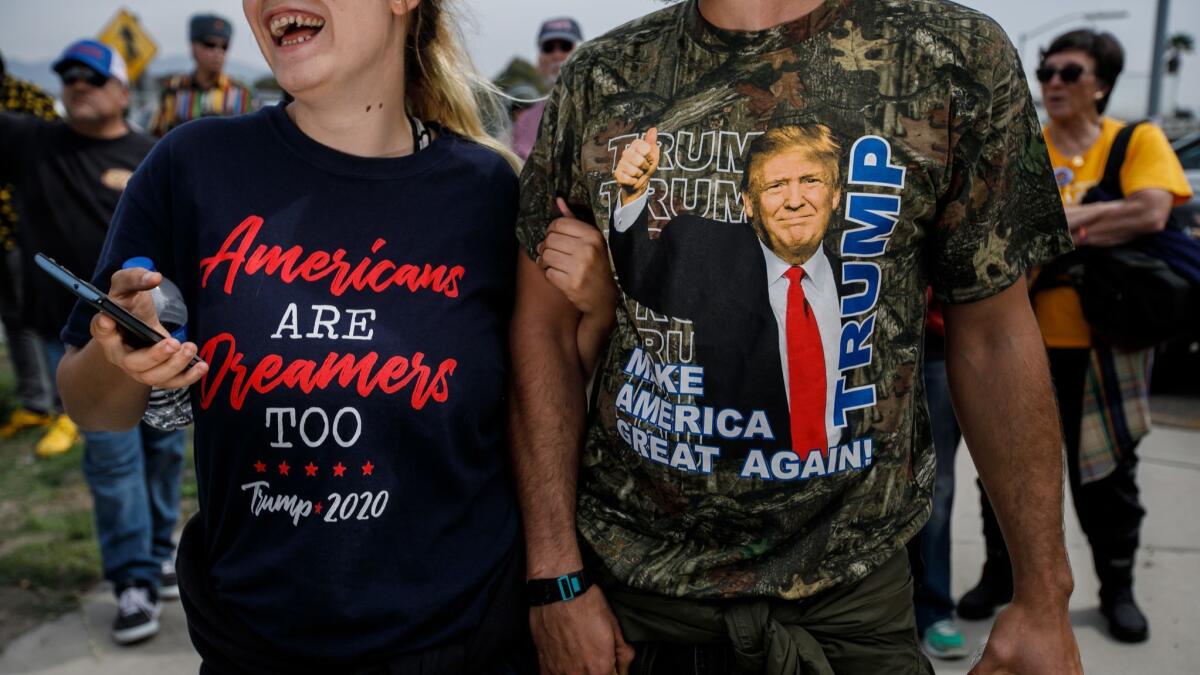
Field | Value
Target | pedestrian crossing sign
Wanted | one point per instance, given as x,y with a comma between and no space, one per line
125,34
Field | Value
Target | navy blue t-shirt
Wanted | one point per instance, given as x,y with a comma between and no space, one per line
350,434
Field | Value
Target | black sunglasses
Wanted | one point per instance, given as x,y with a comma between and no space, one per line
551,46
83,74
213,44
1069,74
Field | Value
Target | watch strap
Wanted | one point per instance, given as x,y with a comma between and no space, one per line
559,589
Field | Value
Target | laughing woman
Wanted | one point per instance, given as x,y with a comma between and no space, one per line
347,262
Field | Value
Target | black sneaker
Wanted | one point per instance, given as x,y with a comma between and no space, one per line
1126,622
137,615
168,582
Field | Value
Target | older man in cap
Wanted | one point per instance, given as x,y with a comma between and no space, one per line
68,177
206,91
557,38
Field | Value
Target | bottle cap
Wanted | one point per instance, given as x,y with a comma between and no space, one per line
138,261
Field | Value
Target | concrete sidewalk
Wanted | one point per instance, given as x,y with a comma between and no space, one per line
1168,587
1168,565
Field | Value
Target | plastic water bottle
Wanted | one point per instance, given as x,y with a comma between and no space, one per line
168,408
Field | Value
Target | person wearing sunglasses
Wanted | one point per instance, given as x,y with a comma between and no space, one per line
557,38
207,91
68,177
1077,75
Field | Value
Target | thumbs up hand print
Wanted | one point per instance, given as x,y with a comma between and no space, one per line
637,165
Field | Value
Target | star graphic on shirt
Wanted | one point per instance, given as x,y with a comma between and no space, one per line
338,470
259,467
368,468
283,468
310,469
318,508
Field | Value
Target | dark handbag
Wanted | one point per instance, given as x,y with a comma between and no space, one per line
1138,294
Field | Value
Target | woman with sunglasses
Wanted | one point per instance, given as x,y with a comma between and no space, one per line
1077,75
347,260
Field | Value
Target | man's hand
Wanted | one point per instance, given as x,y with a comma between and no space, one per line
573,256
165,365
637,165
579,637
996,364
1030,640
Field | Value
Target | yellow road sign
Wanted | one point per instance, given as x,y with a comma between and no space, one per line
127,36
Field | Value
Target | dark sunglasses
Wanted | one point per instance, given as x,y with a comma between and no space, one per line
1069,74
82,74
551,46
213,44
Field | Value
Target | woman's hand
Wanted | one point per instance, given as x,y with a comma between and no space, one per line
165,365
574,258
1119,221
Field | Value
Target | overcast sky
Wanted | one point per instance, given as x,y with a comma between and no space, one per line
32,30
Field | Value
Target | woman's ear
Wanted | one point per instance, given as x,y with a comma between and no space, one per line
402,7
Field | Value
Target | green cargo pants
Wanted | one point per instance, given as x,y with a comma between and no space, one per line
867,628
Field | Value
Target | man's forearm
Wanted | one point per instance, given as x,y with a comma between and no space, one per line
1005,406
592,335
546,421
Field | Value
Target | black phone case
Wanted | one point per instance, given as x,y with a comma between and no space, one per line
135,332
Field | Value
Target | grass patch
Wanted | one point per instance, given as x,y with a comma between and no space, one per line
49,557
68,564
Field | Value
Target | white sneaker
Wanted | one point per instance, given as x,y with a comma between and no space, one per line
944,641
137,615
168,581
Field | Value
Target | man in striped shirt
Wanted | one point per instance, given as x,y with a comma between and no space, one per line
206,91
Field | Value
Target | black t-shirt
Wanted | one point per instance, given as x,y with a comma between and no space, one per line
350,434
67,186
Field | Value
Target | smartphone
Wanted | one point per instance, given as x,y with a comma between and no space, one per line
134,331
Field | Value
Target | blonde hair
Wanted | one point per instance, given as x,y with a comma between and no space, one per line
443,84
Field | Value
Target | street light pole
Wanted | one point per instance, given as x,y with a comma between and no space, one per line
1156,63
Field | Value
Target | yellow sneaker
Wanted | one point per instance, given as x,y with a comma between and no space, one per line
63,435
22,419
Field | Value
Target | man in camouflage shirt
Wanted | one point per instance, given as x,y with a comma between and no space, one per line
715,540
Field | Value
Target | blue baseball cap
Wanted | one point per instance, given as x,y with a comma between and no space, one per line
95,55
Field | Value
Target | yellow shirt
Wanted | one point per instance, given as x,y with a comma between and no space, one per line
1150,163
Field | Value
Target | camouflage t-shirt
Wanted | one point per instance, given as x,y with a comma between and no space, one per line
878,146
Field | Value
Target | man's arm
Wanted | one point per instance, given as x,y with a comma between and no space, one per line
14,129
546,424
161,121
547,418
1000,384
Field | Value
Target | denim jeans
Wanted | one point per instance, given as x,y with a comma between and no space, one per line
135,481
930,550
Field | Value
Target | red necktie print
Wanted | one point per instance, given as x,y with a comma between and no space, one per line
806,370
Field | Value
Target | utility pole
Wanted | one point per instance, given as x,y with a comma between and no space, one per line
1156,59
